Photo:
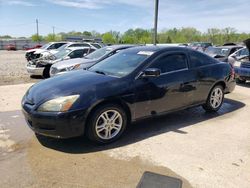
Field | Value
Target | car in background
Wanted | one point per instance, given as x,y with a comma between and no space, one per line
86,61
200,46
10,47
42,65
221,52
27,47
239,54
135,83
70,45
36,53
241,63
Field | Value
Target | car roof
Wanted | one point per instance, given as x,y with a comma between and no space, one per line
156,48
120,46
78,48
228,47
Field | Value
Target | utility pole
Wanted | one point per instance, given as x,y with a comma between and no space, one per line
37,30
156,21
54,32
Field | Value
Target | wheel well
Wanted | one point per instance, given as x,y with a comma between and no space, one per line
220,83
116,102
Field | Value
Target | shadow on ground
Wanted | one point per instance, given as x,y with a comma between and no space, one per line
144,129
247,85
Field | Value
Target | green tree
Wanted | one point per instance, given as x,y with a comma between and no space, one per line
108,38
36,38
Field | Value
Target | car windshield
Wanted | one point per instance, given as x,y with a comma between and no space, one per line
99,53
120,64
62,53
218,51
45,46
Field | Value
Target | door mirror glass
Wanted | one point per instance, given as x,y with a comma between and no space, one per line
151,72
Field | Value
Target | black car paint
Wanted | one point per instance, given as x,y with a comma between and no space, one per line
140,97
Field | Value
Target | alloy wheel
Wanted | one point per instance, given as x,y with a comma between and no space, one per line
216,97
108,124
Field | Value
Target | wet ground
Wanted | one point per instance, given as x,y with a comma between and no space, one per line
203,150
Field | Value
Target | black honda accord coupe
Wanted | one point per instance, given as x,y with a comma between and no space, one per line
136,83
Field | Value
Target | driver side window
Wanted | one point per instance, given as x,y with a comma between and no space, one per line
170,63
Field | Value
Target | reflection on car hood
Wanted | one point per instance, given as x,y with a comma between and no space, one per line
71,62
39,51
75,82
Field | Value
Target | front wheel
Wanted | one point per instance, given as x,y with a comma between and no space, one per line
215,99
107,124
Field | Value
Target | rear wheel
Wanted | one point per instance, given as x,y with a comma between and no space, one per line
215,99
107,124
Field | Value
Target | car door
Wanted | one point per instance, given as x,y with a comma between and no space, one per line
172,90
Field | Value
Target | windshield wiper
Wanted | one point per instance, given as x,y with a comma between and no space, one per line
100,72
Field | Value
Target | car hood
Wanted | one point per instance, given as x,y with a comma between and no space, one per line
71,62
76,82
39,51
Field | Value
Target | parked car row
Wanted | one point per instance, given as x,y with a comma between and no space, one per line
120,84
40,60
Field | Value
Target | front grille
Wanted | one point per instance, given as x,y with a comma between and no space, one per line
245,65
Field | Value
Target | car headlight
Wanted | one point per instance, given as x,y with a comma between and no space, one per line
60,104
237,63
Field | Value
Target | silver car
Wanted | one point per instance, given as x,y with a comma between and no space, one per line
41,66
86,61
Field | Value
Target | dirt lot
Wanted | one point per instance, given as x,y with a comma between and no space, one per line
204,150
12,68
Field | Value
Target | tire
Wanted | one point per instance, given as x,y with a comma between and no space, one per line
102,129
46,72
240,81
215,99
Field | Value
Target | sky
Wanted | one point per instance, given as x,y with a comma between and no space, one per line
17,17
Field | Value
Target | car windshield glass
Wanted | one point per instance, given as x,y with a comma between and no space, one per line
120,64
45,46
218,51
62,53
99,53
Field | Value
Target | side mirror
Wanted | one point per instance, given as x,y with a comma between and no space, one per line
151,72
85,54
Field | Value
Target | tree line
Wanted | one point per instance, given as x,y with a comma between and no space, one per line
145,36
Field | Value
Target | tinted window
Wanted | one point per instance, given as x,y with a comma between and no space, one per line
198,59
171,62
79,45
77,53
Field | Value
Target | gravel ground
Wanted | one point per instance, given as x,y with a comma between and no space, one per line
12,68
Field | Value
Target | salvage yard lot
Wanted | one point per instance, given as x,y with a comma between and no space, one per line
13,68
204,150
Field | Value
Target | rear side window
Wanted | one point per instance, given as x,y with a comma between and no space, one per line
198,59
171,62
77,53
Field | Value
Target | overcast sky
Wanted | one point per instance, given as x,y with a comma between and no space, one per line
17,17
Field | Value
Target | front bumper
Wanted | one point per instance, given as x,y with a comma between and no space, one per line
32,70
55,124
